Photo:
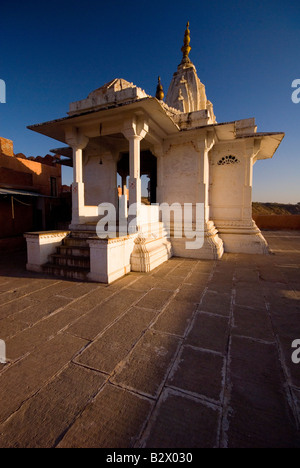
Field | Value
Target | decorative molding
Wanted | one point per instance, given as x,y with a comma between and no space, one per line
237,223
48,235
115,240
228,160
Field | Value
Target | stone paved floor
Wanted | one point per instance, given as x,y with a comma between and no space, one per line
196,354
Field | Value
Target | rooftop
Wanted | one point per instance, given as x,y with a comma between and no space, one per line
194,354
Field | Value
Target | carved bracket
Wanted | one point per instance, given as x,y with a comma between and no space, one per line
75,138
136,127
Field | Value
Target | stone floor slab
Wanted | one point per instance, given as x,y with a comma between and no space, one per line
42,420
252,323
42,309
287,322
116,342
258,398
197,278
175,318
209,332
146,368
296,398
198,372
250,296
32,337
26,289
181,421
190,293
94,322
144,283
170,282
78,290
26,377
114,419
155,299
14,307
216,303
94,298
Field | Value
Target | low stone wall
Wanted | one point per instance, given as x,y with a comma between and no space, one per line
277,222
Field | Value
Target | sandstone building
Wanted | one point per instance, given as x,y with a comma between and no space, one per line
29,191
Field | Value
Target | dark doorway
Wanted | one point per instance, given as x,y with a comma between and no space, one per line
148,168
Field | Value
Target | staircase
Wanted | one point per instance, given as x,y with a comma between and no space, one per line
72,258
75,259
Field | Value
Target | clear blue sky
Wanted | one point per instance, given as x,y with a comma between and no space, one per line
246,53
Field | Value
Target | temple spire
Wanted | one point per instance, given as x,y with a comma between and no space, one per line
159,91
186,45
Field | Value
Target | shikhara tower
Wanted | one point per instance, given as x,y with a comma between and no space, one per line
186,92
189,159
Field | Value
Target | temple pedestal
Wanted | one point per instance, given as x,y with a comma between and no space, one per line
151,248
242,238
210,245
110,258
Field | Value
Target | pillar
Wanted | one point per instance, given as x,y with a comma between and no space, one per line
134,130
203,177
159,153
212,247
124,185
78,142
135,192
77,186
251,150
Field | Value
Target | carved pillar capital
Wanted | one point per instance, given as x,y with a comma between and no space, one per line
135,128
75,138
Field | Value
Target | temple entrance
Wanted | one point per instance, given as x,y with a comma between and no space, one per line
148,169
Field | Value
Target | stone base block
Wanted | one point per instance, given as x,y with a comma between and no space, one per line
245,243
149,253
245,238
209,246
40,245
110,258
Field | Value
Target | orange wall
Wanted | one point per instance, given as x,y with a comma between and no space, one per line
19,172
279,222
23,173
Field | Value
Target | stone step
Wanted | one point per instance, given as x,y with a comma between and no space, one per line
83,234
75,241
73,251
77,273
90,227
70,260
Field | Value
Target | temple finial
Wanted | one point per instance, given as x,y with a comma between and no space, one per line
159,91
186,45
